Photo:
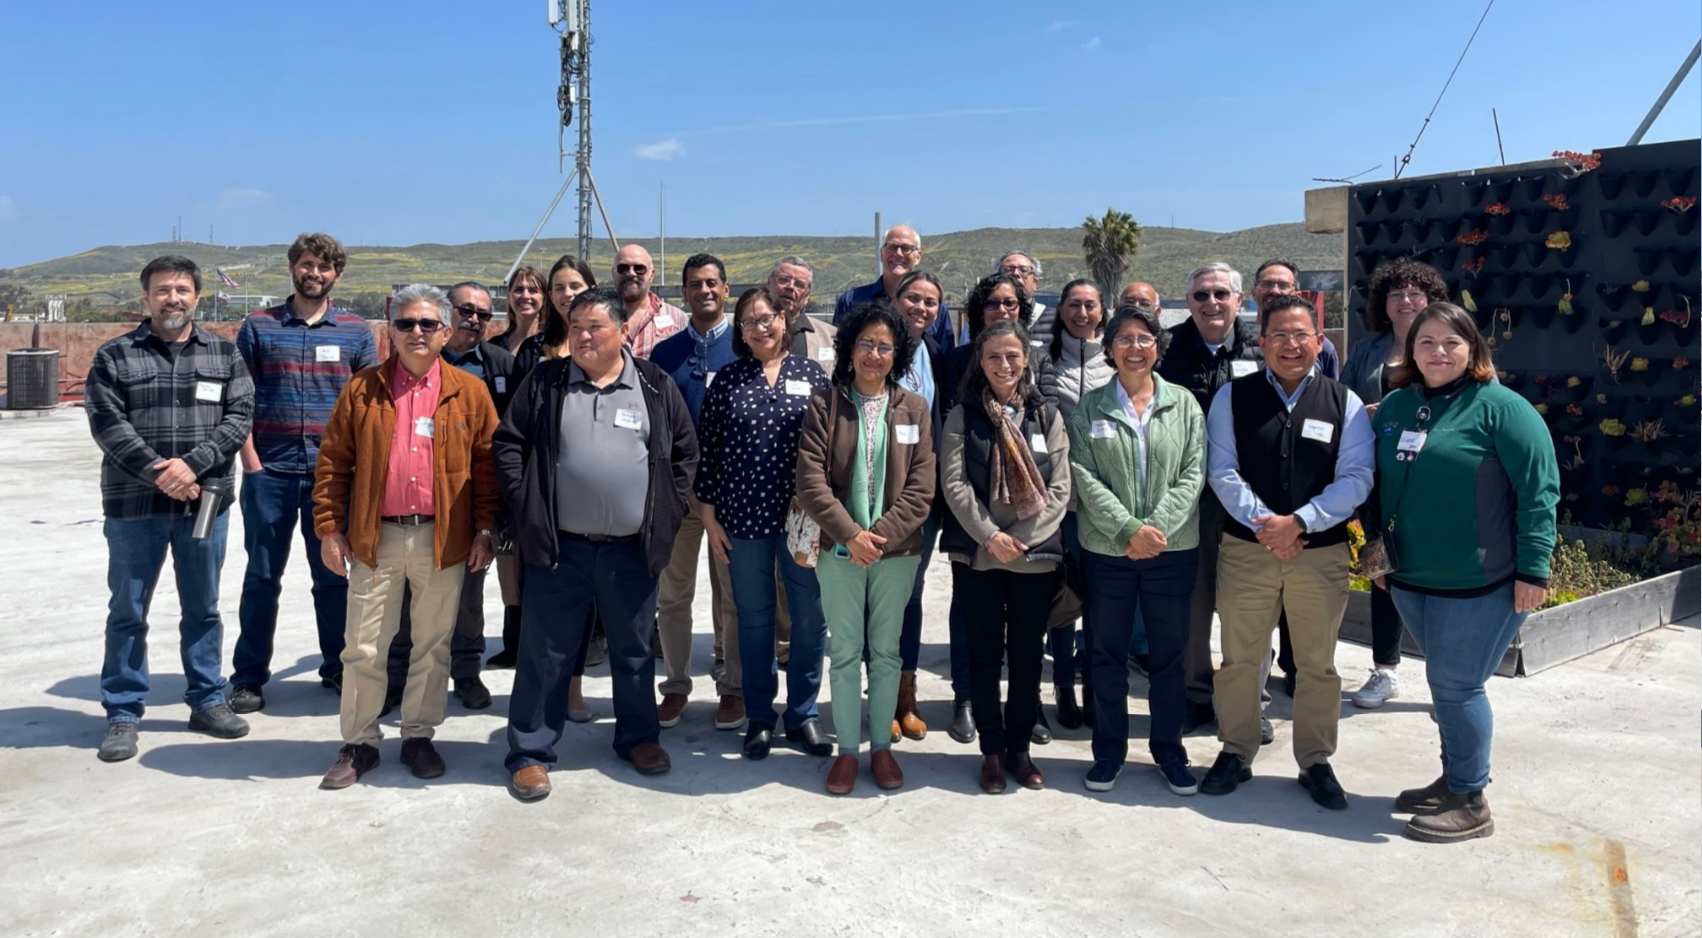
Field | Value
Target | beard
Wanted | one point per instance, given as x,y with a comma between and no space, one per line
173,318
311,291
632,290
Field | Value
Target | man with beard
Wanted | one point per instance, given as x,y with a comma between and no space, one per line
466,349
901,253
649,320
300,354
169,405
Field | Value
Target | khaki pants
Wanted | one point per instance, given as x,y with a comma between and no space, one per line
1312,589
406,559
674,593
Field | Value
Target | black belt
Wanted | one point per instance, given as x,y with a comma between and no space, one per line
603,538
408,521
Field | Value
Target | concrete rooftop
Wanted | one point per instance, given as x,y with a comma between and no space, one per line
1596,768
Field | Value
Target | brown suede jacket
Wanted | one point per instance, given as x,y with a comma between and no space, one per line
824,478
354,457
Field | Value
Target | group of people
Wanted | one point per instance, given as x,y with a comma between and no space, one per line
1081,461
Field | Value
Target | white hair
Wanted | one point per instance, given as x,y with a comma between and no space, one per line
415,294
792,260
1032,261
887,235
1215,267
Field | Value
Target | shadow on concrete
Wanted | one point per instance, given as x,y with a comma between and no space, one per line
52,727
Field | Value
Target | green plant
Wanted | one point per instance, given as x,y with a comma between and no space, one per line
1611,427
1580,568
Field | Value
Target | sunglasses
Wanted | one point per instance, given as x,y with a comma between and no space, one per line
470,311
1220,294
427,326
631,269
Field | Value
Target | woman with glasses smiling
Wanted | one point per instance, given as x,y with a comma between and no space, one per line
866,476
748,435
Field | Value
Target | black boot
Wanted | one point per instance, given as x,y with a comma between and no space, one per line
1069,714
962,722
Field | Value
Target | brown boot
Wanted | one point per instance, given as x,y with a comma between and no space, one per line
909,720
1415,800
1457,818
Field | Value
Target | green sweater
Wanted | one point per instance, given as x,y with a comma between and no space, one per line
1109,506
1476,507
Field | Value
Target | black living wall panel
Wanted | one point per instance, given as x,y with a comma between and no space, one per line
1616,243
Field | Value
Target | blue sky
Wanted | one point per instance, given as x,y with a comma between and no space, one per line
399,123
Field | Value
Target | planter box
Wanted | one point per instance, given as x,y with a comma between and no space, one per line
1558,635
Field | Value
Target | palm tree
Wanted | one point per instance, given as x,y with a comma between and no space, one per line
1109,244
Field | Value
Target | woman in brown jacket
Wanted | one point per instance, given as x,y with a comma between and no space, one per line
866,475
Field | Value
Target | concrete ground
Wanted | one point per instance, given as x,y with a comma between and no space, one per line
1596,797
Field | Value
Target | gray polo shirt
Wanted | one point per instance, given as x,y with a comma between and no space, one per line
602,472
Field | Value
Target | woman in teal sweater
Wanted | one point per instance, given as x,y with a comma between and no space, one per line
1467,487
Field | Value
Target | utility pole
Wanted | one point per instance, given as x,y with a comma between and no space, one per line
582,157
662,234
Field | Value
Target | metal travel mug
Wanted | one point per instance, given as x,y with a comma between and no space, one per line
213,495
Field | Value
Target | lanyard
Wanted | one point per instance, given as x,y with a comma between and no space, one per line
1422,416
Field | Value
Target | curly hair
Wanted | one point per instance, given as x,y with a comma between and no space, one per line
1480,366
975,377
747,299
978,297
1400,272
1128,313
320,245
860,318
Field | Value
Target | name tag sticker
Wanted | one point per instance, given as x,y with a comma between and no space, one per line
1243,369
502,384
628,420
210,391
1103,430
1036,342
708,380
1037,443
908,433
798,388
1412,441
824,354
328,353
423,426
1317,430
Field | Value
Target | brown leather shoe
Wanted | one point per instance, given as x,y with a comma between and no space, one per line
352,763
419,755
843,776
1458,817
884,766
1427,798
650,759
673,707
730,714
909,720
993,774
531,783
1026,772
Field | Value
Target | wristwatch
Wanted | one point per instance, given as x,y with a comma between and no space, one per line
486,532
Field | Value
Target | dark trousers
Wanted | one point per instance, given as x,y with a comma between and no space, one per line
957,627
1161,587
274,505
466,643
557,604
1005,614
1386,629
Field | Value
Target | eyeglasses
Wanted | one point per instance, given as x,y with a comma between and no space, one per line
1007,305
797,283
1139,340
1288,338
760,322
427,326
905,249
1220,294
470,311
870,348
631,269
1016,270
1280,285
1409,296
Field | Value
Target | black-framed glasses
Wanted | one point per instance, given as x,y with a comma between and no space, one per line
631,269
409,324
471,312
1220,294
1283,285
760,322
905,249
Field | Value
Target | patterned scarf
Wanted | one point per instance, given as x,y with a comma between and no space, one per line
1014,478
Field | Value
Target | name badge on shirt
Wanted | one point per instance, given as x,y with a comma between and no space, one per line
502,384
328,353
1037,443
1412,441
1036,342
824,354
799,388
1317,430
209,391
1103,430
1243,368
628,420
908,433
708,379
423,426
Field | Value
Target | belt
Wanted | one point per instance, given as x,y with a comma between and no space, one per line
603,538
408,521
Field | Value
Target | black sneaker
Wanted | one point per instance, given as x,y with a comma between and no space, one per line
119,744
1103,775
473,693
962,726
246,698
218,721
1177,776
1320,780
1229,771
501,661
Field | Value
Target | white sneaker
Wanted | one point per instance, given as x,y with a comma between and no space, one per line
1383,684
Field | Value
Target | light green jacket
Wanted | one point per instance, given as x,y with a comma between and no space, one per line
1103,450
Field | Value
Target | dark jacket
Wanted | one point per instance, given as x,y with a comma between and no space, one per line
824,477
526,447
965,476
1190,364
500,379
957,365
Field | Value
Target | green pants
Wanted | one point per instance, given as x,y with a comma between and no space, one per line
856,600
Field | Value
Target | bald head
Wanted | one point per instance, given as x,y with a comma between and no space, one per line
1139,293
633,272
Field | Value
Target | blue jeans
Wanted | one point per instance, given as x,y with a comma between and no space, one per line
273,505
1464,641
1164,587
751,568
136,552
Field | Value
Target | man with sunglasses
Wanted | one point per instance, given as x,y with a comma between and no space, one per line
649,320
405,501
901,253
465,348
300,354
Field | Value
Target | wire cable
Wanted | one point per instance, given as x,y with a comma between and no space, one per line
1426,125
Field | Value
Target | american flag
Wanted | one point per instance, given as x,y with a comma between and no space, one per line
226,280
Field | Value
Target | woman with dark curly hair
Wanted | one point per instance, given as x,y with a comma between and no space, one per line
1400,290
866,476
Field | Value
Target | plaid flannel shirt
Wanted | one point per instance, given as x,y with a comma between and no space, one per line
146,406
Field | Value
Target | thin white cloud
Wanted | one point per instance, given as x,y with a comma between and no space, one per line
663,150
8,208
240,197
846,121
1091,44
1058,26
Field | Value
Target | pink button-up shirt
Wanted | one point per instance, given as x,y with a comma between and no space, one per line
407,485
650,325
